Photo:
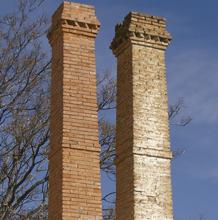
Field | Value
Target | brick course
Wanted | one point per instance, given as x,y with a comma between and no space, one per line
142,143
74,172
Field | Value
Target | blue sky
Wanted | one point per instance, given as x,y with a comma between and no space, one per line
192,74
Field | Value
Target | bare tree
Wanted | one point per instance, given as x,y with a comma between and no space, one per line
24,130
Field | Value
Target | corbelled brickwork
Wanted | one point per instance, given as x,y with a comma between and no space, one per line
74,173
143,146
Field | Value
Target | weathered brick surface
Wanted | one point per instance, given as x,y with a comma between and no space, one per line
74,173
143,146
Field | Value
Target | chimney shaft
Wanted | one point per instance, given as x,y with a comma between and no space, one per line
74,172
142,138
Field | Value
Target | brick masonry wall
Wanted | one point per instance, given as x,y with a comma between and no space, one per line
74,172
143,146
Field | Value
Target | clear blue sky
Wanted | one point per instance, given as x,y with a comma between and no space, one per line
192,73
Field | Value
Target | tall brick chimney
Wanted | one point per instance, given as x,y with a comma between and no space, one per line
74,173
143,146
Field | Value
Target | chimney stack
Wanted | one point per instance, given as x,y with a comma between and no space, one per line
142,137
74,172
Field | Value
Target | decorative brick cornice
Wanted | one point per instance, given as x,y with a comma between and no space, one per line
68,18
140,28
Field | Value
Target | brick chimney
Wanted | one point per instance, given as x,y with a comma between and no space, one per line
143,146
74,172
